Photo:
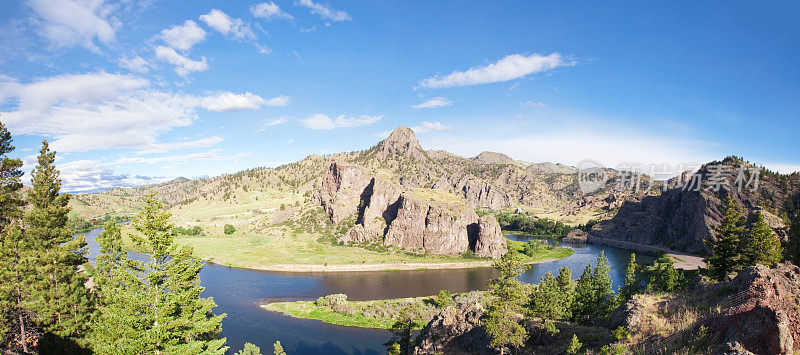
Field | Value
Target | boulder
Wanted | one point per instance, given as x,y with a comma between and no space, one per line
490,242
576,236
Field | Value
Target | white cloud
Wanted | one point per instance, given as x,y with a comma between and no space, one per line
431,127
272,122
234,27
67,23
323,122
183,65
82,112
90,176
324,11
182,158
135,64
269,11
433,103
166,147
183,37
228,101
534,104
511,67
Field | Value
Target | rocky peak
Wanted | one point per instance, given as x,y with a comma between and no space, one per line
493,158
402,141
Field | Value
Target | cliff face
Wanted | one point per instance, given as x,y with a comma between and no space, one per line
683,219
416,219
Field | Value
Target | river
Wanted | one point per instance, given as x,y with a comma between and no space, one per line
238,293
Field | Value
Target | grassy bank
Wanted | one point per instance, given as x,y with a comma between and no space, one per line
379,314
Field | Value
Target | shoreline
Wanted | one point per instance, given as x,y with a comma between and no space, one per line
301,268
681,260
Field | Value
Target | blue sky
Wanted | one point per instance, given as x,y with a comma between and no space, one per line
136,91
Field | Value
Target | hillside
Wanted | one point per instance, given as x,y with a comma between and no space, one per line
683,219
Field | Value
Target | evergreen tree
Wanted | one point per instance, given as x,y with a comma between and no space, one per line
410,318
793,245
631,285
584,296
546,300
762,246
251,349
567,291
17,332
574,345
155,307
61,302
725,256
278,349
662,276
602,286
508,295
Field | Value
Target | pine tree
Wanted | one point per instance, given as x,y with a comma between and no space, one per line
546,300
584,296
410,318
61,302
726,256
574,345
17,332
761,246
508,295
156,307
252,349
793,245
567,291
631,285
602,286
278,349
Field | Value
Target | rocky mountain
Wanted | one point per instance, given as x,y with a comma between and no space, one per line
416,219
684,217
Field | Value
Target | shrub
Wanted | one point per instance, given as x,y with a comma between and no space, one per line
443,299
331,300
229,229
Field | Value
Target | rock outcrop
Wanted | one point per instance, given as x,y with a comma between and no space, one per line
763,316
417,219
681,218
341,190
491,242
575,236
456,330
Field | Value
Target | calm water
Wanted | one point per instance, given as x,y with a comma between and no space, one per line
238,292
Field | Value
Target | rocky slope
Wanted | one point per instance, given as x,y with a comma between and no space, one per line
683,219
416,219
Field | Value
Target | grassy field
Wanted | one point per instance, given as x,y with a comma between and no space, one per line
379,314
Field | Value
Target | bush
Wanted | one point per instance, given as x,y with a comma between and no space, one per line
533,247
331,300
229,229
443,299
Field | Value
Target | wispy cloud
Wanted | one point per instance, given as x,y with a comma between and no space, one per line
135,64
234,27
228,102
431,127
183,65
324,122
511,67
534,104
272,122
269,11
183,37
90,176
324,11
167,147
433,103
84,112
66,23
182,158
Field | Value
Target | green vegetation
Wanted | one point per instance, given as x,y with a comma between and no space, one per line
251,349
335,309
532,226
574,345
138,300
229,229
508,296
735,247
181,231
411,317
